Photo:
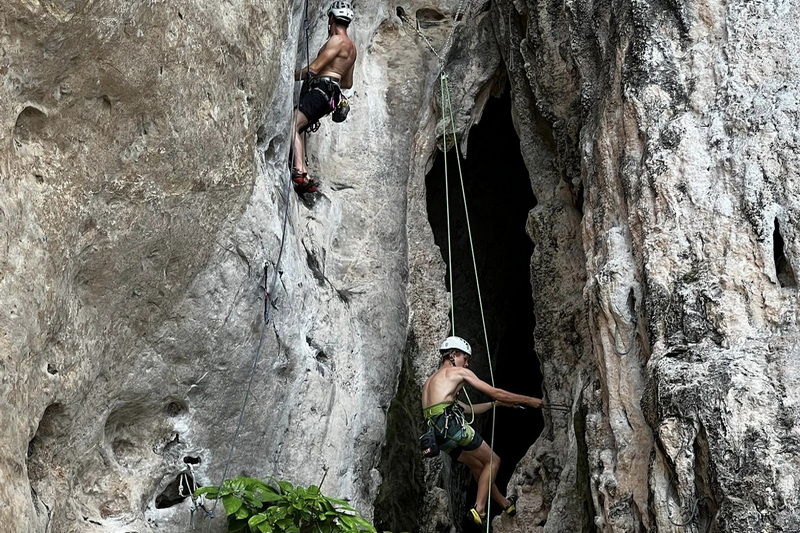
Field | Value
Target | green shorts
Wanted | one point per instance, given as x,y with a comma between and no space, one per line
453,433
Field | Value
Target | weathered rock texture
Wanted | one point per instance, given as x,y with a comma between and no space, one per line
143,188
671,202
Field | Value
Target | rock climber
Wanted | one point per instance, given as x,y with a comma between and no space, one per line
445,415
323,80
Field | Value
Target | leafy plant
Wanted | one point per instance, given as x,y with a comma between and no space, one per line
255,506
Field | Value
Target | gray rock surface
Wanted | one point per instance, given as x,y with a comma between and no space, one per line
143,187
673,126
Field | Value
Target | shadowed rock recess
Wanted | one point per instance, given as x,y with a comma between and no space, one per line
143,194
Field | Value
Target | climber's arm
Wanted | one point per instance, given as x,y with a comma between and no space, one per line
477,408
497,394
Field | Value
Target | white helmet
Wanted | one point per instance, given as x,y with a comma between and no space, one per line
342,10
456,343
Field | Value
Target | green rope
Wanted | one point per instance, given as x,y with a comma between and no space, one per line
443,83
447,107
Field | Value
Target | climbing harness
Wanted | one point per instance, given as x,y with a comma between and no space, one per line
447,422
328,87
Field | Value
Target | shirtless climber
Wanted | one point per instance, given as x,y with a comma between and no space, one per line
324,79
445,415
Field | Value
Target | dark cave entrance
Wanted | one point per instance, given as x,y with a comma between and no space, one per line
499,197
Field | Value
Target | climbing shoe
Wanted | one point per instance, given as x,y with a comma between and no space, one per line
511,509
476,517
302,183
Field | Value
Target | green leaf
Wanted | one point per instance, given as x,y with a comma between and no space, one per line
210,492
243,512
265,528
285,486
236,485
256,519
270,497
254,502
231,503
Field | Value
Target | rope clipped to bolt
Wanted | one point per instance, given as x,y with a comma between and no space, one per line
268,290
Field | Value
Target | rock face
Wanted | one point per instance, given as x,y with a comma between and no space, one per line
144,187
146,210
664,271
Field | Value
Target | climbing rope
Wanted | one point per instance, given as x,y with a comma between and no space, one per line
447,113
269,289
442,85
256,358
460,16
695,512
630,343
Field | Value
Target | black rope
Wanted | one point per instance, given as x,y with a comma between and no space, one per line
267,302
557,407
616,338
256,358
693,516
276,270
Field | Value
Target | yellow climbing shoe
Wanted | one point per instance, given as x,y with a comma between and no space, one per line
476,517
511,510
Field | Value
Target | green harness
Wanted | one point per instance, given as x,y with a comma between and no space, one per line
449,425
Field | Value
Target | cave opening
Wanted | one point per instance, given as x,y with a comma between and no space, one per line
499,198
783,268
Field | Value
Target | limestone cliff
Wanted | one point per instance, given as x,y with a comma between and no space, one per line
146,211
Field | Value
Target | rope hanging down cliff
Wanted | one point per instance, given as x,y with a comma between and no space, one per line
268,289
448,116
449,119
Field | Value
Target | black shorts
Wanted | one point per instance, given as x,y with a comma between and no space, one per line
474,444
314,105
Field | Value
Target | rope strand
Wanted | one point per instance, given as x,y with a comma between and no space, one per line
442,85
267,299
447,112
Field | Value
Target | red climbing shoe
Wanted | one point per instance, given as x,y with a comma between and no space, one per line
302,183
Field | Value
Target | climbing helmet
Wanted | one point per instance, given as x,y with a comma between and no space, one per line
456,343
341,10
